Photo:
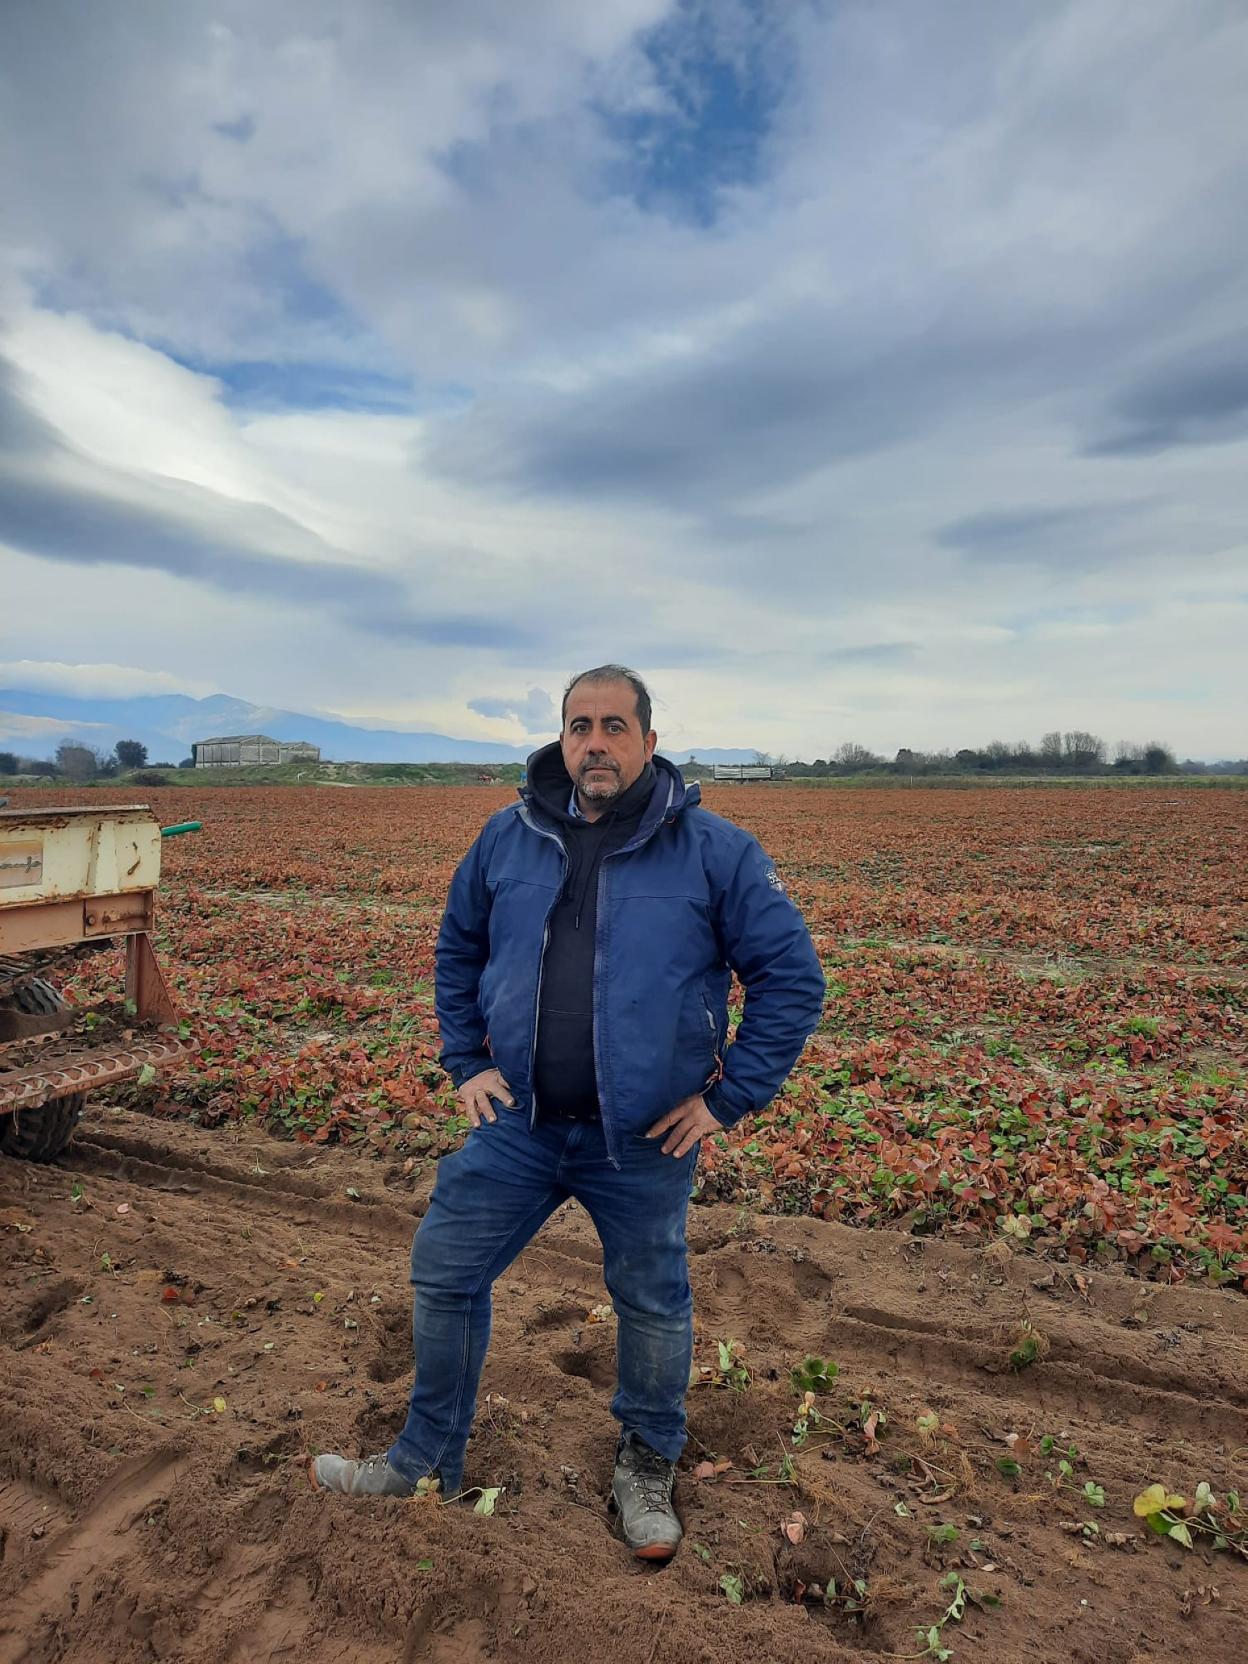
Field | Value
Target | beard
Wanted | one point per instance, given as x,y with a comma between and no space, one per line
599,788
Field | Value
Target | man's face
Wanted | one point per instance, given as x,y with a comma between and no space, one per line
604,749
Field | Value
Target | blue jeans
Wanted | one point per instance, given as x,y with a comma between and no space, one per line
490,1198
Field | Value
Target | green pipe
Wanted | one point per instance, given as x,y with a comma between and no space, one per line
181,827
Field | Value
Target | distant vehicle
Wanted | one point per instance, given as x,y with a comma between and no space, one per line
746,771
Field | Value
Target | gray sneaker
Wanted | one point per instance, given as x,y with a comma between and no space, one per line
348,1477
642,1496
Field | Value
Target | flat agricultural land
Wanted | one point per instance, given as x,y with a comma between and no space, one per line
1001,1199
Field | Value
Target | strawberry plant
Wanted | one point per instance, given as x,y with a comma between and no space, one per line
1219,1521
1036,1029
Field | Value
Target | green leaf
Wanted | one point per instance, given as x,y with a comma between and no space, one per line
814,1374
424,1565
942,1533
733,1587
486,1501
957,1606
1025,1353
1181,1534
703,1553
147,1075
1153,1499
75,1194
1008,1467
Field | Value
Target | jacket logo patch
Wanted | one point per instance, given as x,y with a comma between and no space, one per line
774,879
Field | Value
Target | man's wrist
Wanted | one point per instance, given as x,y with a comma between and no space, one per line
713,1099
475,1066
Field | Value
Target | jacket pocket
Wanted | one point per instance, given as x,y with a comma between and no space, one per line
716,1061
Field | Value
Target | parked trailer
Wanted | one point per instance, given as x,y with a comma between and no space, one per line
745,771
73,881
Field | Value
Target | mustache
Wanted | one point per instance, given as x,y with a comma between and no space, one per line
586,768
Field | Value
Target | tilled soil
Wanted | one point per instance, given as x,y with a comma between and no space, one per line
185,1316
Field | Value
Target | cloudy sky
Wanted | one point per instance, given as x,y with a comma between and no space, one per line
860,369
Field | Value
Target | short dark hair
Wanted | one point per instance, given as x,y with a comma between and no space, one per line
612,673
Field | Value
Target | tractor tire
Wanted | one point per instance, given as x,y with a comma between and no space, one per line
40,1134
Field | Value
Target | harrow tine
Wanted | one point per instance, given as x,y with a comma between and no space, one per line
80,1071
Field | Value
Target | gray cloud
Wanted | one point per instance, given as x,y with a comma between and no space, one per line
1190,403
782,398
535,709
1061,536
873,652
59,505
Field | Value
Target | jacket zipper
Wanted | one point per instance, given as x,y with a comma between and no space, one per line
541,964
599,928
718,1070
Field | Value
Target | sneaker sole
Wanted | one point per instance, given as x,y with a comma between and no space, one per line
655,1551
647,1551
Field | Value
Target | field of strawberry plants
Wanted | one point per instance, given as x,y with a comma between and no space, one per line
1036,1027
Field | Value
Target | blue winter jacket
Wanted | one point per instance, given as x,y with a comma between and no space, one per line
689,898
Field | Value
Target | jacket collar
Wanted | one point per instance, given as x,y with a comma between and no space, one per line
548,787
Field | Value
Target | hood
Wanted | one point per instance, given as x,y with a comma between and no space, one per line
549,788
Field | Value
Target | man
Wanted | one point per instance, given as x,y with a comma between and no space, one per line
583,968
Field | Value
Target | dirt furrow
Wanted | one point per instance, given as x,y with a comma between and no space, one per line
178,1335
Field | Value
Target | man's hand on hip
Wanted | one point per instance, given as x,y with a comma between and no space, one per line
684,1125
475,1094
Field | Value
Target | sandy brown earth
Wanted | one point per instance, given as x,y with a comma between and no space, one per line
184,1315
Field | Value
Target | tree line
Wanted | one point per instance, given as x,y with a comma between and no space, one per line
1073,752
1063,753
80,763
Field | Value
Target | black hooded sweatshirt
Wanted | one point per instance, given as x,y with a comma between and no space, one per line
564,1077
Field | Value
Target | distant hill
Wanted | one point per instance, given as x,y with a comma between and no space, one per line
168,724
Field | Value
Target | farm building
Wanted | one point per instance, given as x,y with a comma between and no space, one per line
250,750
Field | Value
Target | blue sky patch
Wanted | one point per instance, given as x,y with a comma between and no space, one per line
308,386
716,111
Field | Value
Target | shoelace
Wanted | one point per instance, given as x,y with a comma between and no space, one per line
653,1477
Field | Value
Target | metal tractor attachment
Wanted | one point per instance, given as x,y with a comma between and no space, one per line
73,880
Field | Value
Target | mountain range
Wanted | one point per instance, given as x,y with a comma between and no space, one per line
34,723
